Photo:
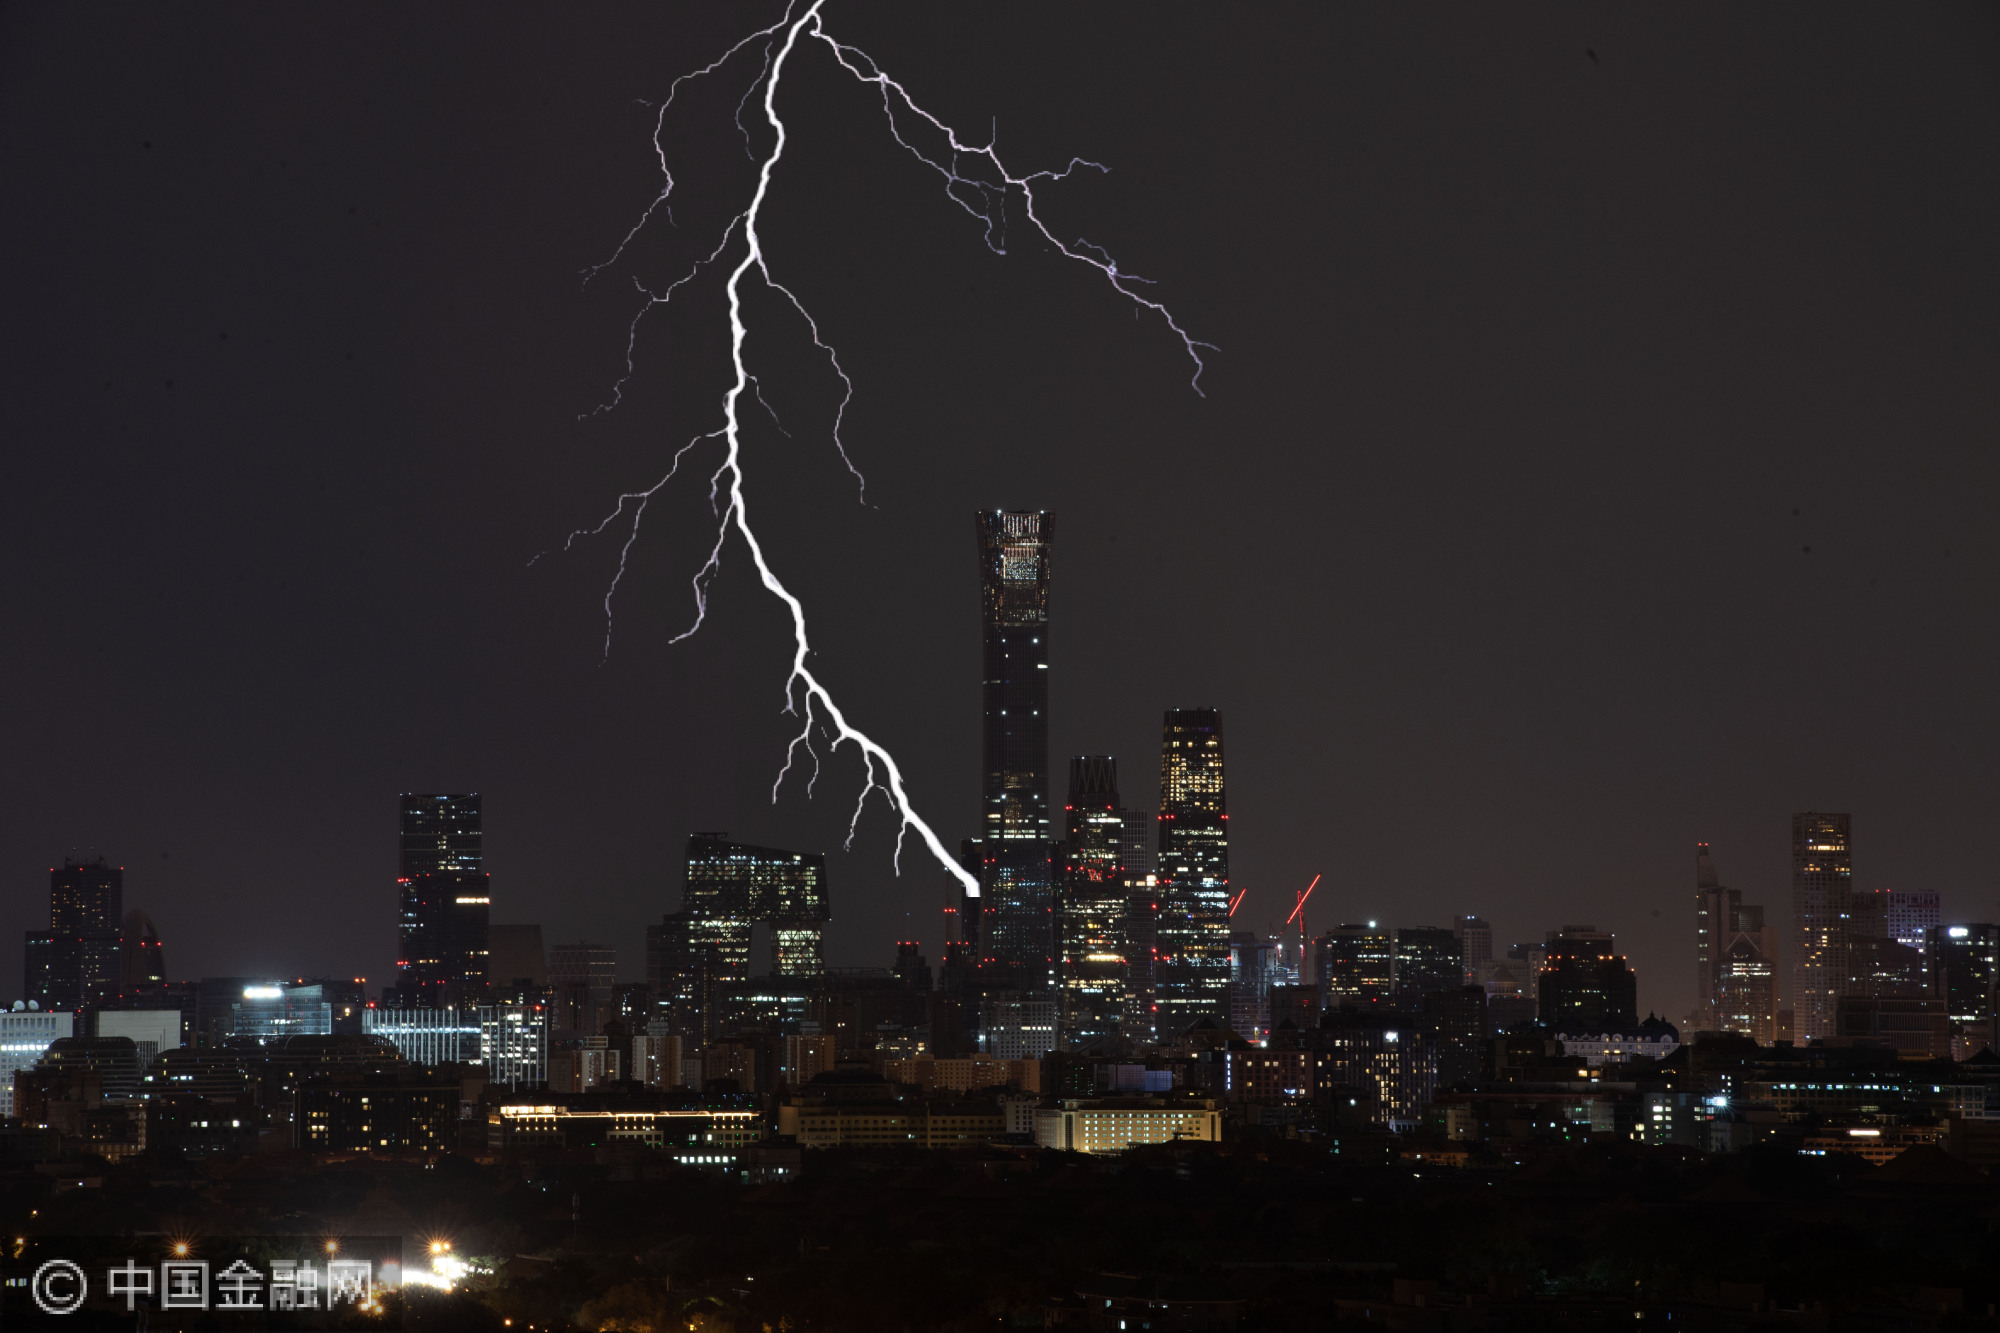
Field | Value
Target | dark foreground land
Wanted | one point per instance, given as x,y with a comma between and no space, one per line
1278,1236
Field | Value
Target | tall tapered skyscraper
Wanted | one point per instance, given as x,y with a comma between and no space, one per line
1017,941
445,901
1822,887
1191,932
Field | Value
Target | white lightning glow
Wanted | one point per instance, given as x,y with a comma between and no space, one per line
806,698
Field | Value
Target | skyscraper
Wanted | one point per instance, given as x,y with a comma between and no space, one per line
732,889
445,898
1822,882
1250,978
1475,937
1429,960
1017,928
1879,966
1735,968
76,960
1912,915
1092,904
141,957
1354,964
1587,987
1191,975
582,976
1965,971
1710,906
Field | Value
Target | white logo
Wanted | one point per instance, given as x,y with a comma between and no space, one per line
59,1287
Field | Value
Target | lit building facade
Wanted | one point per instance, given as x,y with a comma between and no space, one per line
695,1135
1822,882
514,1044
1017,1025
1736,987
1428,960
270,1011
25,1034
427,1036
1354,964
1912,914
376,1115
1191,928
1115,1124
445,899
1376,1061
1965,970
699,955
1654,1039
1017,928
1092,904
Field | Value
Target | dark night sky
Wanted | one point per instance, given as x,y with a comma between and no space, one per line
1538,378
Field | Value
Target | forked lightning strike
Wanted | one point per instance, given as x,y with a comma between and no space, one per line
986,199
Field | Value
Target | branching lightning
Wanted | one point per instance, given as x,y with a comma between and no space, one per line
984,194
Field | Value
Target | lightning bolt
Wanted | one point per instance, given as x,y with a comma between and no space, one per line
978,181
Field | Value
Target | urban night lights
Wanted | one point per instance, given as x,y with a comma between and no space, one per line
1437,743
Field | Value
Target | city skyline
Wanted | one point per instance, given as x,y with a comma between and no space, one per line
1479,545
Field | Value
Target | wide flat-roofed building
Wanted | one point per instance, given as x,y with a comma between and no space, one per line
1112,1125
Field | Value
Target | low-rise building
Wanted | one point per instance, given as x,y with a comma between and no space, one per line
944,1124
24,1035
376,1114
705,1131
1114,1124
969,1073
1875,1144
1654,1039
1269,1074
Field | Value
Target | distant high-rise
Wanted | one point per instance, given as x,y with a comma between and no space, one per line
1736,986
141,957
1429,960
1136,844
1879,966
1250,979
76,960
1965,971
516,956
1587,987
1191,933
1822,883
1092,904
582,976
1912,915
733,889
446,900
1355,964
1017,940
1475,937
1711,906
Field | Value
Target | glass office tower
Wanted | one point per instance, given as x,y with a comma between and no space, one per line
1191,926
1017,938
